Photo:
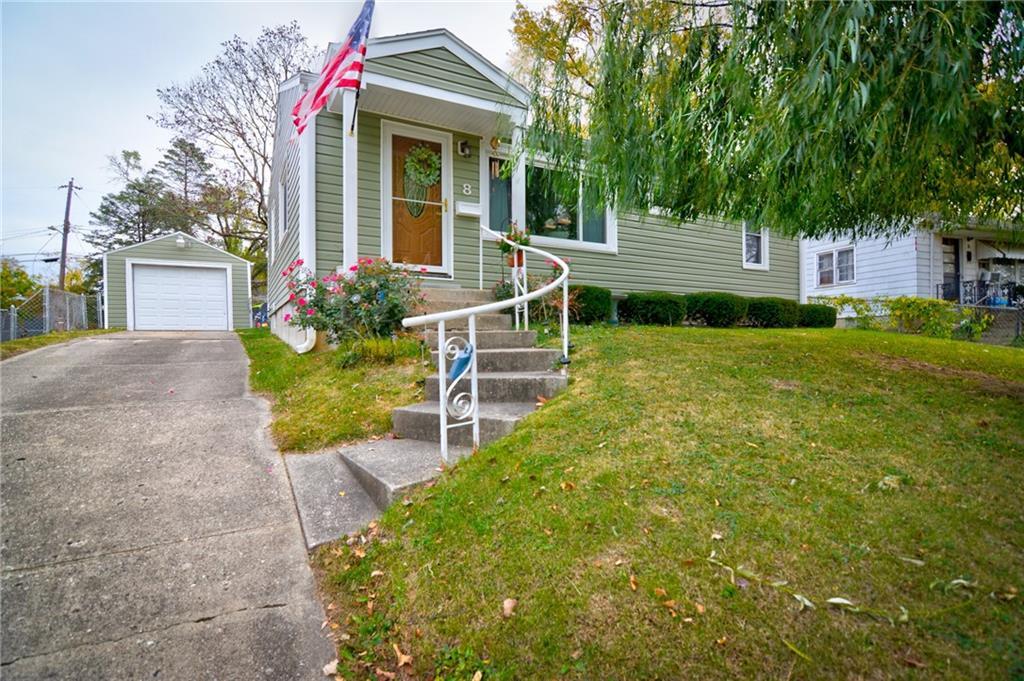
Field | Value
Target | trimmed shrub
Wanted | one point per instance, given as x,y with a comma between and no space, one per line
593,303
773,313
653,307
817,316
717,309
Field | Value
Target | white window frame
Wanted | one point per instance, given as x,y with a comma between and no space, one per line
763,265
611,220
834,252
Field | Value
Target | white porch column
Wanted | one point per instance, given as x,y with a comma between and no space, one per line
518,177
350,181
307,195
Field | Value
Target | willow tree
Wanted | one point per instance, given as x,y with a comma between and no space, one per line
812,118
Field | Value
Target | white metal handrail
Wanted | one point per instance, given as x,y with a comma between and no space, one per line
464,407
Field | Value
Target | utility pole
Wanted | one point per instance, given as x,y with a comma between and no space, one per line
67,230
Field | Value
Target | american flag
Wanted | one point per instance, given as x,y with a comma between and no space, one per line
344,70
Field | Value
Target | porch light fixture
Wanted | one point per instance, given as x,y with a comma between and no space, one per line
464,149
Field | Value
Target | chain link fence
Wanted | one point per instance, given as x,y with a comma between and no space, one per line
51,309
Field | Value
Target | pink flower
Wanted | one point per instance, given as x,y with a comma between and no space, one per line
310,312
291,296
423,270
299,262
353,268
302,302
287,318
284,273
290,284
313,283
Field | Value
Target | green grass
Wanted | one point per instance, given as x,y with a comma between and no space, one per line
727,472
14,348
317,402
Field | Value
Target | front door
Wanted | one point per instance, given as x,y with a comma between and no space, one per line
951,269
416,218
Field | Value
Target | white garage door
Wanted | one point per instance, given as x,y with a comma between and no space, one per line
170,298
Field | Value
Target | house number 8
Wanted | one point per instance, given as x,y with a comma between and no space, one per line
467,189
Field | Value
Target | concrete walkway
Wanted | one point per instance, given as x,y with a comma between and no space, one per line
148,527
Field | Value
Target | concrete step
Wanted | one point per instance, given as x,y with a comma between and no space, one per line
421,422
389,469
513,360
432,306
326,514
491,340
484,322
510,386
460,297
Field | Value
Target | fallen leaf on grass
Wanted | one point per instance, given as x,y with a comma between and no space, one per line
632,582
547,532
381,674
670,604
911,660
508,607
479,675
660,593
912,561
716,536
331,668
376,573
722,641
796,650
699,607
804,602
567,486
403,659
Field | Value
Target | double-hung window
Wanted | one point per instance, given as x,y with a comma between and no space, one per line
755,248
836,267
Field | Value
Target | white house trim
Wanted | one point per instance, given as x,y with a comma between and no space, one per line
307,195
370,79
349,181
387,129
175,235
129,283
426,40
106,298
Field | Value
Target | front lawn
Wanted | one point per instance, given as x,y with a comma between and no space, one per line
13,348
690,505
316,403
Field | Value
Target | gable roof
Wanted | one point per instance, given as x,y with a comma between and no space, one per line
175,235
403,43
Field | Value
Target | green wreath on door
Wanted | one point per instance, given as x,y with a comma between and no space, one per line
422,171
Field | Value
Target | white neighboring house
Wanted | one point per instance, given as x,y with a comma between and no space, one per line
972,267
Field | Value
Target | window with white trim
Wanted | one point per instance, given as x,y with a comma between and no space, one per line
755,248
836,267
583,218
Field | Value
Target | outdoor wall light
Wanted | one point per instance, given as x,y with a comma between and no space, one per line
464,149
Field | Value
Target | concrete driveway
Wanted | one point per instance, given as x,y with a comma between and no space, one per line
148,527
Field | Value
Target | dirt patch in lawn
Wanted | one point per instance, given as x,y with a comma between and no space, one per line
997,387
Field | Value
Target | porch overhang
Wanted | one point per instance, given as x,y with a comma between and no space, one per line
402,99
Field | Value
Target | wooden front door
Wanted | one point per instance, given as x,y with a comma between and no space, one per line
416,216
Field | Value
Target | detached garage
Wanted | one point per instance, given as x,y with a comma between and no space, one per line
176,283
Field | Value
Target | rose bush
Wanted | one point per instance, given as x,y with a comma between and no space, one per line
368,301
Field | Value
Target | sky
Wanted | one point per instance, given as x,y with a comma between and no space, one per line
79,84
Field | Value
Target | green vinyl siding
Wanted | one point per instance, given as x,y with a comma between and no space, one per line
438,68
329,137
658,254
166,250
285,165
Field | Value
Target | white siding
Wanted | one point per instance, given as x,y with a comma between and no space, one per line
882,267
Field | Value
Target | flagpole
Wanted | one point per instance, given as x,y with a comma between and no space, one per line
355,106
